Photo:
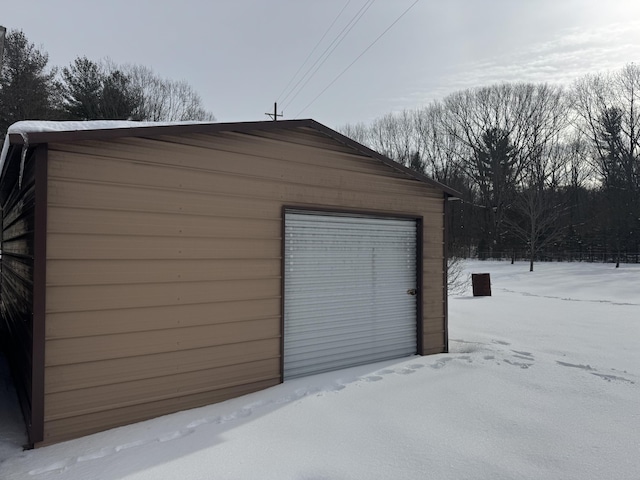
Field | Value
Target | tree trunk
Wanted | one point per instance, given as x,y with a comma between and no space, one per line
531,254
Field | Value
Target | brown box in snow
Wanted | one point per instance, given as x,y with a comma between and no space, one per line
481,284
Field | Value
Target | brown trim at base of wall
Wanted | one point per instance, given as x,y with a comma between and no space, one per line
39,294
445,271
420,284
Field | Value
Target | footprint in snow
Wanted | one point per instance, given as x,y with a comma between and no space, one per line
243,413
58,467
126,446
95,455
522,357
613,378
197,423
441,363
523,354
593,371
575,365
167,437
518,364
406,371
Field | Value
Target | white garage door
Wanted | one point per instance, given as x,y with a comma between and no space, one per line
350,291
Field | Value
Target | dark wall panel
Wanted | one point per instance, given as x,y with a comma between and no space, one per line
17,197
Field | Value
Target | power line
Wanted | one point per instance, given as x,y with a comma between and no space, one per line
314,48
330,49
357,58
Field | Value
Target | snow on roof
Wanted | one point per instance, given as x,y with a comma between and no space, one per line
25,127
32,126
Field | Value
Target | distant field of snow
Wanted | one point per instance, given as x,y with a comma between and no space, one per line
542,381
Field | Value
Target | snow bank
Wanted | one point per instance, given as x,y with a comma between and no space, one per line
542,381
12,430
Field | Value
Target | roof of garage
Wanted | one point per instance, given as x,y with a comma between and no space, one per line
30,133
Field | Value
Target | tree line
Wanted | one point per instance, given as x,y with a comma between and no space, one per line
87,90
544,171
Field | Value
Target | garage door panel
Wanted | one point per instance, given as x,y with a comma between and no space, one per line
329,335
385,348
346,291
334,359
314,319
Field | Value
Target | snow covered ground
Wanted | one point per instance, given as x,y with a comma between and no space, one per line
542,382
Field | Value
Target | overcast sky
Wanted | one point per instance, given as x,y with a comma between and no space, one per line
240,55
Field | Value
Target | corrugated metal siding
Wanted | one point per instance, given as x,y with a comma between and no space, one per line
170,250
346,291
17,277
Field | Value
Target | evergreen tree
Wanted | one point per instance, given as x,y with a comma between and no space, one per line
27,88
495,169
495,161
120,100
92,93
416,163
82,89
620,172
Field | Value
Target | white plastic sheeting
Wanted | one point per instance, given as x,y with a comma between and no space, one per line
349,291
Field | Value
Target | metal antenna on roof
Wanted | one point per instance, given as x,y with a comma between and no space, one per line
274,116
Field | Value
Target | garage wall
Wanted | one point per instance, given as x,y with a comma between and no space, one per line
20,320
163,271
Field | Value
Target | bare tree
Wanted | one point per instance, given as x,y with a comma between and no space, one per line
536,213
358,132
502,130
608,109
392,135
441,152
578,168
457,278
165,100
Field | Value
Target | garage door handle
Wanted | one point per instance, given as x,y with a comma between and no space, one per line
412,291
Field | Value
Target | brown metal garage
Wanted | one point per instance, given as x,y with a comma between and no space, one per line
143,268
